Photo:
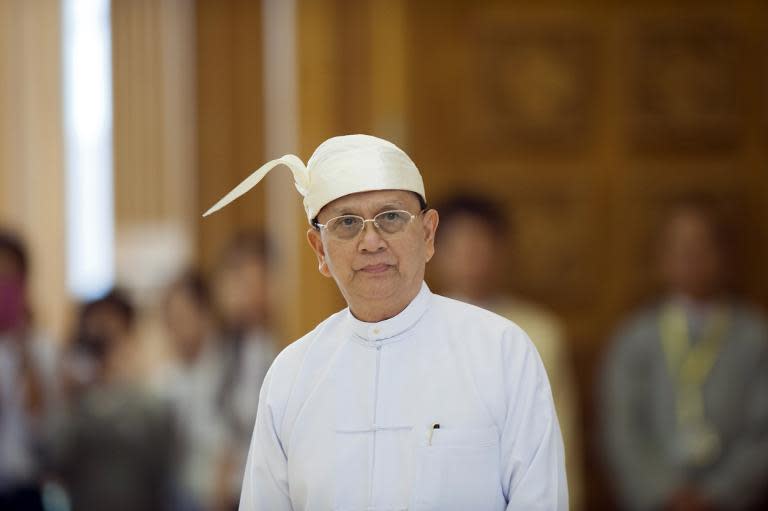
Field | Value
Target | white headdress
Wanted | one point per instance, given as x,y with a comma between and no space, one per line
338,167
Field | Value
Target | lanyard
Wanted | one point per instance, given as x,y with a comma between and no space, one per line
689,365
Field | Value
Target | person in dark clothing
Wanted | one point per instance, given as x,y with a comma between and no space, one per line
27,383
113,448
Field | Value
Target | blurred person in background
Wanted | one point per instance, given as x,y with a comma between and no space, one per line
247,346
685,385
470,263
27,381
191,383
112,447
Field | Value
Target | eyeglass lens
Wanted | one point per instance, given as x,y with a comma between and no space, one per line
349,226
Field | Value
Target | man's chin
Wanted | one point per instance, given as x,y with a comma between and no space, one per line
377,286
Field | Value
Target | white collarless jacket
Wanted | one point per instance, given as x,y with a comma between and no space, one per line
445,406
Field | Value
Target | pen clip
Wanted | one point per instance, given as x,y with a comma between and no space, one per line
430,432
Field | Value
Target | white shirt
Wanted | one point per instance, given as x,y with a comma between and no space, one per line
191,391
254,360
346,413
20,432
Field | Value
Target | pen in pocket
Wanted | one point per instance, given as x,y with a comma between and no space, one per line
431,431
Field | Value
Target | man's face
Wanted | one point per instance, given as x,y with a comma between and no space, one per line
240,290
12,294
691,258
467,261
373,267
186,320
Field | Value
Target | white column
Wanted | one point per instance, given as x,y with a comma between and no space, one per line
281,112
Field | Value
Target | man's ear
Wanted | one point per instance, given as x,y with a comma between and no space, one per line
316,242
430,221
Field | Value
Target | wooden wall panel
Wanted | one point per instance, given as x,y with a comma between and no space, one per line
152,46
334,99
153,139
229,118
587,122
32,180
139,118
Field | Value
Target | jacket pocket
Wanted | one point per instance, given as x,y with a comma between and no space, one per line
458,469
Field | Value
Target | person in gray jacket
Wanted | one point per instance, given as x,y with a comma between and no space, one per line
685,385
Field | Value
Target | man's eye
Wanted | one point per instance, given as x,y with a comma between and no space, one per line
347,223
391,216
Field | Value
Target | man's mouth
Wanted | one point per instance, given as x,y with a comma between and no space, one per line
375,268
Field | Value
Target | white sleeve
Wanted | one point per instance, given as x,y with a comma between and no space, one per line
532,447
265,483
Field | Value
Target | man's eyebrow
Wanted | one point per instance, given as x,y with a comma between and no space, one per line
347,210
395,204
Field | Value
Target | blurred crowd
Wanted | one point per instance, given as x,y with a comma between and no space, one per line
683,387
82,427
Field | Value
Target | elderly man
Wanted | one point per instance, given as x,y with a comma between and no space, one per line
404,400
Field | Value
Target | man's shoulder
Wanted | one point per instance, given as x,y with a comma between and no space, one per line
641,322
479,330
749,330
291,357
494,348
749,315
455,311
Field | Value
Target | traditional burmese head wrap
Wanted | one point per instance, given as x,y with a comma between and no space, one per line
340,166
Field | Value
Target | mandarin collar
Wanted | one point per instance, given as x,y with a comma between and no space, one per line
396,325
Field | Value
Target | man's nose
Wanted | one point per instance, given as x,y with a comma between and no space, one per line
371,240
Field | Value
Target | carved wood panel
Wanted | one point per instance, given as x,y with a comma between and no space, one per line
587,122
229,118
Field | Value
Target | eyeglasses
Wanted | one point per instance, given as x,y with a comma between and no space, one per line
346,227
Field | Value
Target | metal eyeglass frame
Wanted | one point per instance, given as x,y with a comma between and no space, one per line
319,226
